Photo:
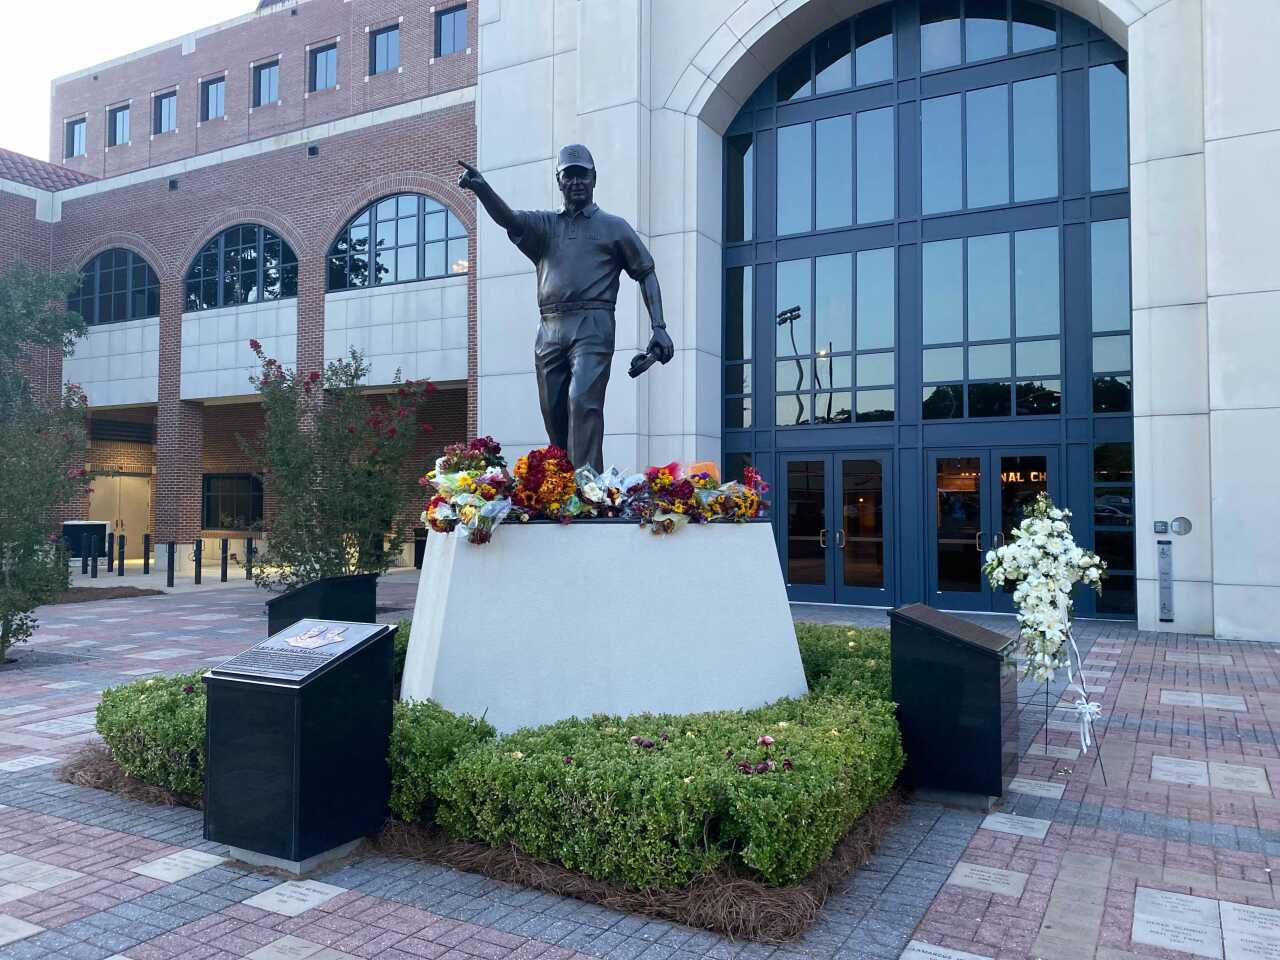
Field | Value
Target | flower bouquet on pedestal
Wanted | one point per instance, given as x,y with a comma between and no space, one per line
471,490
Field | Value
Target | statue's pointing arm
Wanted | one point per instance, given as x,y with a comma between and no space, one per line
473,180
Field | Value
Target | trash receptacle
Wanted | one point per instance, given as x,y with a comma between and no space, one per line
296,744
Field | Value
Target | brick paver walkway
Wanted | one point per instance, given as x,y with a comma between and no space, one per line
1170,857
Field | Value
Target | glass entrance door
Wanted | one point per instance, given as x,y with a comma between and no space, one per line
1018,477
835,527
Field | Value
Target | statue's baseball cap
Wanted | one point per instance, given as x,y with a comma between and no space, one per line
575,155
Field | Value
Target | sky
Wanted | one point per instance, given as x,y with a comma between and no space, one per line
87,33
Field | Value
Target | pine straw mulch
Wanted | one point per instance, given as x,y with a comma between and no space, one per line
724,901
88,594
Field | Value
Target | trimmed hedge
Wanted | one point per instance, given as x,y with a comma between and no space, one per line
400,650
155,730
845,661
425,739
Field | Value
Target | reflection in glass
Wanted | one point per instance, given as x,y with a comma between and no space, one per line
1113,463
987,146
1033,26
876,179
943,291
835,162
833,303
1038,358
876,310
793,77
943,402
793,374
1038,398
833,60
986,32
739,188
1108,127
806,521
795,179
1109,274
862,507
1112,394
737,378
990,400
1110,354
1120,595
832,408
939,34
1036,282
988,362
735,465
873,35
793,291
946,363
1022,479
1113,507
959,524
875,406
1115,547
940,154
792,410
1035,139
988,294
737,413
737,310
832,372
875,369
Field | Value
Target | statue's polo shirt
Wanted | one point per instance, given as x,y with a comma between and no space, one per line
579,256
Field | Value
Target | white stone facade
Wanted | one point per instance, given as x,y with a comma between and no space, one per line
117,364
216,358
650,85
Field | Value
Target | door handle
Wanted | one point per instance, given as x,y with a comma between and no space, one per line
822,538
840,539
977,540
994,544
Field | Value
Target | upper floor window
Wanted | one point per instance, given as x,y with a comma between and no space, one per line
116,285
451,31
164,112
324,67
213,99
118,126
400,238
266,83
384,50
245,264
73,138
955,31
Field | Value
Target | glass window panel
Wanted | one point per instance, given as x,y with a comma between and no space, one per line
873,38
208,293
833,408
383,266
1113,463
456,229
794,374
986,32
794,291
876,179
1109,267
1112,394
1110,354
436,260
876,313
987,146
939,34
386,209
833,60
738,313
1115,547
875,369
1033,26
735,465
337,275
1120,595
1039,398
1035,138
990,400
359,270
795,179
862,511
737,378
988,295
406,231
434,226
946,363
153,302
1108,127
737,413
459,256
940,154
407,263
1039,358
943,402
989,362
740,188
1036,282
874,406
793,410
794,77
943,283
835,169
1113,507
407,205
832,373
833,303
806,520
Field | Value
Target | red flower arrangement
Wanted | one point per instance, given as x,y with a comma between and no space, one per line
545,483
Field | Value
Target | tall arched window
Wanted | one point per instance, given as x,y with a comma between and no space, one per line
244,264
398,239
116,285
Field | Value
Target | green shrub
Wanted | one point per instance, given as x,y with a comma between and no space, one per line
845,661
654,801
400,649
155,730
425,739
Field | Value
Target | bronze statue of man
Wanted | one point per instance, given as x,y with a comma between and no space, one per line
579,251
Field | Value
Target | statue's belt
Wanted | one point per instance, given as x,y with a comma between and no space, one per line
551,310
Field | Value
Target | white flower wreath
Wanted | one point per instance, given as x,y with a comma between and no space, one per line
1045,563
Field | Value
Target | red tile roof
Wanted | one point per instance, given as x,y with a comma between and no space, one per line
37,173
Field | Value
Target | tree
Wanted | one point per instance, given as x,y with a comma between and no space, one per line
333,458
43,447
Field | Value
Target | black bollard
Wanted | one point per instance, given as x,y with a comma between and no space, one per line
146,553
199,559
173,551
85,543
225,542
111,550
93,557
120,555
248,558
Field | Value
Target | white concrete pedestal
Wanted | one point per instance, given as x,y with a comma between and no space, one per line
550,621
